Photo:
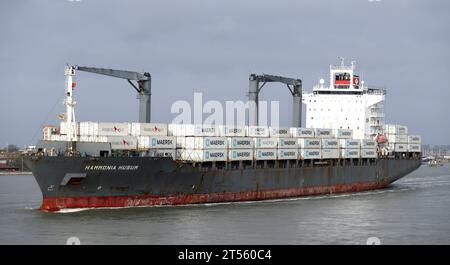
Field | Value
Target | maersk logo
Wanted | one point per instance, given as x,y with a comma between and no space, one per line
215,155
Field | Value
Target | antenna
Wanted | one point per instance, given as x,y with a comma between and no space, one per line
342,60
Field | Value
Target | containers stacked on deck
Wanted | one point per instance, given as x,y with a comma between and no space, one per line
208,143
399,141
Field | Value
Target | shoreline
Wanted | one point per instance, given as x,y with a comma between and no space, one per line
16,173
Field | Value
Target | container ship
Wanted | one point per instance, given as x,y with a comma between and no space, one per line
344,147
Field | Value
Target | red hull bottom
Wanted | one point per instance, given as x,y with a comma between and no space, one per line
52,204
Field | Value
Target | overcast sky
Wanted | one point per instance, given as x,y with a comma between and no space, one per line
212,47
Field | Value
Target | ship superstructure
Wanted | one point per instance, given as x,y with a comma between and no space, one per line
346,103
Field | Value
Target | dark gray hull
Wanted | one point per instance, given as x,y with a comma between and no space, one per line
77,182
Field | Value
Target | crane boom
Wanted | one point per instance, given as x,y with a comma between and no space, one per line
294,86
143,88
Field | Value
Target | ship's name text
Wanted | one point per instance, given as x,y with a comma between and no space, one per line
111,167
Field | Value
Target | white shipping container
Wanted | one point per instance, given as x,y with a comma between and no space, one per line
123,142
310,154
330,153
206,143
302,132
113,128
309,143
88,128
412,139
197,155
180,130
350,143
396,129
400,147
240,154
148,129
287,154
397,138
206,130
266,142
279,132
180,141
344,134
231,130
265,154
152,142
257,131
287,143
368,143
414,148
330,143
369,153
324,133
350,153
240,142
164,153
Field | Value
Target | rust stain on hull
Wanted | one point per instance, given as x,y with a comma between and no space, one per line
52,204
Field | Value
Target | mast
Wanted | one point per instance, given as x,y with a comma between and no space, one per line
70,107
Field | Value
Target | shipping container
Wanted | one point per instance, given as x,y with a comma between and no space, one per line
344,134
414,139
368,143
180,130
302,132
88,128
310,154
266,142
396,129
231,130
206,130
414,148
197,155
163,153
350,153
265,154
240,142
350,143
148,129
309,143
328,153
206,143
397,138
123,142
257,131
284,154
369,153
152,142
240,154
113,128
324,133
330,143
279,132
400,147
287,143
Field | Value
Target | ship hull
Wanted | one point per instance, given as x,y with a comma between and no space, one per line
69,182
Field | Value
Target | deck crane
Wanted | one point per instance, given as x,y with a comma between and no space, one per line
143,86
294,86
